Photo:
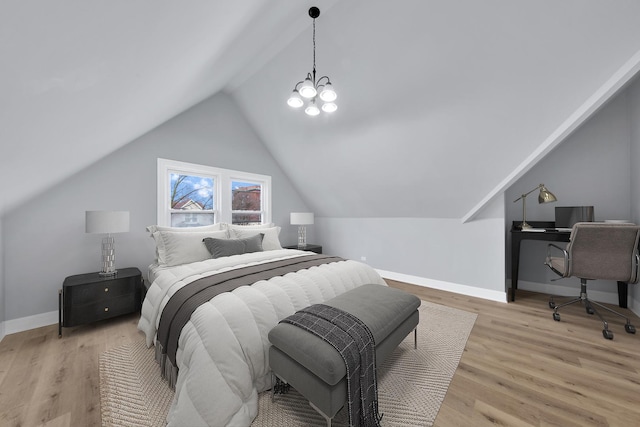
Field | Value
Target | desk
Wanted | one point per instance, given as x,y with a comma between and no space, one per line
517,236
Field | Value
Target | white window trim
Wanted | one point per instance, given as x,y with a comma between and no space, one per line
222,181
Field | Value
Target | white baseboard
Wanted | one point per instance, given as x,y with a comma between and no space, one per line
487,294
30,322
557,288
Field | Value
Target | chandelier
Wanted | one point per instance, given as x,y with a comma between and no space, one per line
313,91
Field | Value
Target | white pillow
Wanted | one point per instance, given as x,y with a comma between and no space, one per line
269,243
176,247
213,227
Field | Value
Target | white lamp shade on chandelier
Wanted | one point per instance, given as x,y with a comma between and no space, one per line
315,94
107,222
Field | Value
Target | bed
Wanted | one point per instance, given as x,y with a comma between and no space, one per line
221,359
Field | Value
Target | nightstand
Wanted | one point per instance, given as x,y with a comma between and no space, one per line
86,298
313,248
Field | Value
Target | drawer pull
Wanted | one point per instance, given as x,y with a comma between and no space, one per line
106,309
106,289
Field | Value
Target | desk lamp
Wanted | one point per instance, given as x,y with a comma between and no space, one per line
301,219
545,196
107,222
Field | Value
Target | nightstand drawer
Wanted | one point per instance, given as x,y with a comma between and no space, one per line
85,294
107,308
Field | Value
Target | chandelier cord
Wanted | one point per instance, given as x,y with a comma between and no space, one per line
314,51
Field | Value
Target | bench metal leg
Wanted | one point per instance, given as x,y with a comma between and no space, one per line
321,413
415,338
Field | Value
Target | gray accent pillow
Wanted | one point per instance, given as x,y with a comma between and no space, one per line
227,247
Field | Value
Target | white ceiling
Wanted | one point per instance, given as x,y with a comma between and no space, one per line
438,100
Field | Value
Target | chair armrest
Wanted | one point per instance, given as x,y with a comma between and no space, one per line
565,255
636,267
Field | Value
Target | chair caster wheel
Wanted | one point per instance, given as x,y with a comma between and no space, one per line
556,317
590,310
552,304
630,328
607,334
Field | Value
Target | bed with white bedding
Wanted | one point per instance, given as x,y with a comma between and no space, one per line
222,354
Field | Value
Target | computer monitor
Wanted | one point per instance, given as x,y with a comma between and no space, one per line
567,216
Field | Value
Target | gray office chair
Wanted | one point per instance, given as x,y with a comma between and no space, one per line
607,251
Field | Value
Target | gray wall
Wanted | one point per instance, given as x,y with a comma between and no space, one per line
436,252
44,240
592,167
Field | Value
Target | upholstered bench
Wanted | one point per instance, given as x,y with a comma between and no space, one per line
315,369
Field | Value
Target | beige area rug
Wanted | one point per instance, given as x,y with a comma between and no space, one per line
411,384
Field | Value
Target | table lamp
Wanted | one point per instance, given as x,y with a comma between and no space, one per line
301,219
545,196
107,222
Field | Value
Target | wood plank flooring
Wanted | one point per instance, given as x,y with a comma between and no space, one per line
522,368
519,368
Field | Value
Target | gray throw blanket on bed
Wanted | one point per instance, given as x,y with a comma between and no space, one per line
355,343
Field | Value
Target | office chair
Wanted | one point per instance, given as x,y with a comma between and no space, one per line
607,251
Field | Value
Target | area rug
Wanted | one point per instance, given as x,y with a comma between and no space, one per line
411,383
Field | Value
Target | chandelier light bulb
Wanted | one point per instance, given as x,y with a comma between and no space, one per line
329,107
307,89
328,94
312,109
295,100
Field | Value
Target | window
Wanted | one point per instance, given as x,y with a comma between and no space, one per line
191,195
191,200
246,203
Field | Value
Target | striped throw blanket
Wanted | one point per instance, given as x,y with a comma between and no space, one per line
355,343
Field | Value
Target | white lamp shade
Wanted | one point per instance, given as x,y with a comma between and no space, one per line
328,94
301,218
329,107
307,89
312,109
295,100
106,221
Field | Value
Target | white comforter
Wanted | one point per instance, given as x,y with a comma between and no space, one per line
223,350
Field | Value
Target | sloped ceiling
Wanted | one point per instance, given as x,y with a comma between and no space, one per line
438,100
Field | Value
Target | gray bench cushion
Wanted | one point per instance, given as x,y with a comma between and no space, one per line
381,308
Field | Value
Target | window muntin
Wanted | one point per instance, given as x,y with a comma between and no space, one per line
191,195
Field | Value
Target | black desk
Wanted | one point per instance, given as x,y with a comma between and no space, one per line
517,236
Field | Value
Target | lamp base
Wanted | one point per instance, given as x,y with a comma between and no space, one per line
108,257
525,226
302,237
108,273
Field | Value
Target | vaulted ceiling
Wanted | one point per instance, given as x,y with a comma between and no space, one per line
439,101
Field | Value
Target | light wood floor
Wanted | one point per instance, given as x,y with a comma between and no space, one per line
519,368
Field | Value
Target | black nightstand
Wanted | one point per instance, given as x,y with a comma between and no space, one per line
313,248
86,298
